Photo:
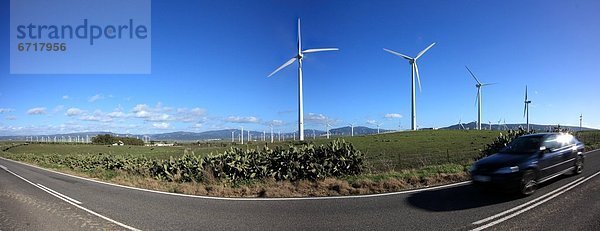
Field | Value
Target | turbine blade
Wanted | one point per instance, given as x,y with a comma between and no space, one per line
487,84
283,66
423,51
319,50
525,92
398,54
418,78
524,110
473,75
299,38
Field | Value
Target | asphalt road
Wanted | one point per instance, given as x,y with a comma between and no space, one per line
36,199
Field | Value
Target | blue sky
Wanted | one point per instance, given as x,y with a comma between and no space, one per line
210,61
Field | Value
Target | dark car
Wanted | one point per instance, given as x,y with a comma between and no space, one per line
528,161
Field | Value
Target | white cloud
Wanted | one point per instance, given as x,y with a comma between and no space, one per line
6,110
65,97
392,116
96,98
189,116
372,122
36,111
159,117
73,112
276,122
142,114
140,107
10,117
240,119
198,111
317,118
90,118
162,125
117,114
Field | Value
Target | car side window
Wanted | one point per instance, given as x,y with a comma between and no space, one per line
551,142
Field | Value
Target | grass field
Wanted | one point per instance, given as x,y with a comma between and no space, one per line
383,152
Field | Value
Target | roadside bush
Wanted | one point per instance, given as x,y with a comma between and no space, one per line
293,163
501,141
302,162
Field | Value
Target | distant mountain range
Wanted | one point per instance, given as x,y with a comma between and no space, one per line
487,126
227,134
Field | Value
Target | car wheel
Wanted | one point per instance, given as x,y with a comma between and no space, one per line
528,184
578,165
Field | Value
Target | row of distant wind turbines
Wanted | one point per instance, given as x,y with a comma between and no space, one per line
414,72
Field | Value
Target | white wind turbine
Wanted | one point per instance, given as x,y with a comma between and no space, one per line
526,109
460,125
479,85
580,120
414,72
299,58
351,129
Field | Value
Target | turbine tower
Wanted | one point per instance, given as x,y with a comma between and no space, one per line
351,129
580,119
299,58
479,85
526,109
414,72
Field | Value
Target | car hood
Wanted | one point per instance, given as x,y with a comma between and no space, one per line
499,160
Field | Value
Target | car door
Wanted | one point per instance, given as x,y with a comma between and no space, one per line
551,158
567,152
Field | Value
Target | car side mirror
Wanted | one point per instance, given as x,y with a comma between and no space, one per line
543,150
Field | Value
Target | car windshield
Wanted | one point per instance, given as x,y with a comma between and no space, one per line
524,145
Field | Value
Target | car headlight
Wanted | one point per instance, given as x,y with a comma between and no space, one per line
507,170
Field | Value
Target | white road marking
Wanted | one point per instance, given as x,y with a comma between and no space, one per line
534,205
525,204
71,202
61,195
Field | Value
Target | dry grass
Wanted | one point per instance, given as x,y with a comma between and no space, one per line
272,188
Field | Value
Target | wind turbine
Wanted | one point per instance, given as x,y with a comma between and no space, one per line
461,124
327,125
232,135
351,129
580,119
479,85
299,58
271,125
526,109
490,123
242,136
414,72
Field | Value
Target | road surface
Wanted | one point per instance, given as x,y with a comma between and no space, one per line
35,199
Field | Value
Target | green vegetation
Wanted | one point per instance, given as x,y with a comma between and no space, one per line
108,139
591,139
501,141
